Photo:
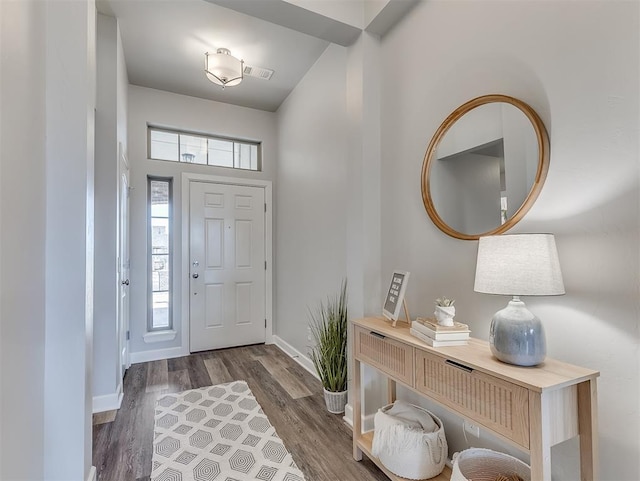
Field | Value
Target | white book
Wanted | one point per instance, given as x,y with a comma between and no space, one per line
433,324
433,343
459,335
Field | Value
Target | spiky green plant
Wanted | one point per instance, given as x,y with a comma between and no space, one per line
444,302
329,329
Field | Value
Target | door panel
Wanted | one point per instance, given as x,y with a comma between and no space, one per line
244,301
227,262
215,243
123,264
214,305
244,242
243,202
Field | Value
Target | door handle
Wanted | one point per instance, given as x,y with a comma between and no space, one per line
125,283
195,276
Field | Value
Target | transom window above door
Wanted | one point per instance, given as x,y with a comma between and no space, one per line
177,146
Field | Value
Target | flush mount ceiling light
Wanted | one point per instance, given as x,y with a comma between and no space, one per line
222,68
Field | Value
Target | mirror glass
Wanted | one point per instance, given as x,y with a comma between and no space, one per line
484,167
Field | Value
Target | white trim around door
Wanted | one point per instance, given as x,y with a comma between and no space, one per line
187,178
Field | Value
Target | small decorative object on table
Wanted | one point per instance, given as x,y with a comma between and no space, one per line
435,335
395,300
329,328
445,311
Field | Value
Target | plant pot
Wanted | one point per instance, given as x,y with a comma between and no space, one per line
445,315
335,401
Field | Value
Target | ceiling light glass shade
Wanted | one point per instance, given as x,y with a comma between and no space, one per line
518,265
222,68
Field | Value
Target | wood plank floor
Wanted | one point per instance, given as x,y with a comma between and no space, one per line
292,399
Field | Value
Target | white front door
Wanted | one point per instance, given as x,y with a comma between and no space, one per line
123,266
227,265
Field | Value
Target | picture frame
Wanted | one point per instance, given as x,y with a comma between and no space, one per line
394,300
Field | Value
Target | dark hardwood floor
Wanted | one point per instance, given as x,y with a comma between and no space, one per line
292,399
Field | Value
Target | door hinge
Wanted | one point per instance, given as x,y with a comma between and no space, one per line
265,265
265,323
265,206
128,335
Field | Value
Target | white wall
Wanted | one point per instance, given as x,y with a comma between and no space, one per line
46,280
363,175
576,64
70,104
111,123
363,191
122,99
155,107
466,192
350,12
22,228
520,157
311,195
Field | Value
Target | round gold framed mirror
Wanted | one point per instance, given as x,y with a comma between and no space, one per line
485,167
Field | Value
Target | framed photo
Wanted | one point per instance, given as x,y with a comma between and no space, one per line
395,295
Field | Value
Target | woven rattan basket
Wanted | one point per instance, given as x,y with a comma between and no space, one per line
477,464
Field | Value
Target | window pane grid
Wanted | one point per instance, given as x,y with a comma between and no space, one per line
203,150
193,150
160,287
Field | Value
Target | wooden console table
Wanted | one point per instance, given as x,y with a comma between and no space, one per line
531,408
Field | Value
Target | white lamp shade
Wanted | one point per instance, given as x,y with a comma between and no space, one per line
518,265
223,69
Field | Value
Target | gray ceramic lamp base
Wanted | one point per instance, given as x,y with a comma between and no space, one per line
517,336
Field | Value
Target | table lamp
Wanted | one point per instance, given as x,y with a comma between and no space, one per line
518,265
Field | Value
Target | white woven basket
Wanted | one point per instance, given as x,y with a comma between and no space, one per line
415,460
477,464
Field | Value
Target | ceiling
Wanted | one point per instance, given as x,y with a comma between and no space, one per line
165,41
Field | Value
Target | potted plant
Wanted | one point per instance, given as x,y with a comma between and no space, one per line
329,355
445,311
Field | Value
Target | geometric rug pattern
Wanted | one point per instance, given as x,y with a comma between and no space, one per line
217,433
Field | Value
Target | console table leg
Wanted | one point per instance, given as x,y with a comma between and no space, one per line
391,390
587,427
539,440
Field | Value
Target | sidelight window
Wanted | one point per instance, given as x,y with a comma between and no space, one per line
159,234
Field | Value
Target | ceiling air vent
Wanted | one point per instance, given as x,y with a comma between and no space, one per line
258,72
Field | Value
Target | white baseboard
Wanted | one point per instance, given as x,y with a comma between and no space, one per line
296,355
157,354
348,415
108,402
367,421
92,474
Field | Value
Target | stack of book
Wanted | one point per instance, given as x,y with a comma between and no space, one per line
432,333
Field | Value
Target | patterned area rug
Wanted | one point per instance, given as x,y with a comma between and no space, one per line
217,433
